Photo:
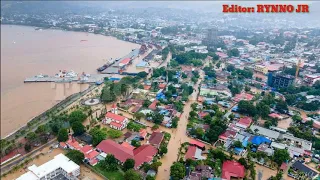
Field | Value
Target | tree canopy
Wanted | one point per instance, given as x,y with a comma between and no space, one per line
63,135
132,175
177,171
76,156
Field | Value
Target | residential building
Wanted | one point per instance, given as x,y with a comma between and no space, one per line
243,96
244,122
301,167
194,153
201,172
261,68
156,139
90,155
310,79
232,169
304,144
142,154
278,80
116,121
265,132
60,166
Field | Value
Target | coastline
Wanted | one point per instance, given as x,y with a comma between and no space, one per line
66,30
23,125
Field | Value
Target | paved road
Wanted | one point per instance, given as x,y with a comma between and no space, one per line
178,137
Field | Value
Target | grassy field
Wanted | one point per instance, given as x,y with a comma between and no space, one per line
116,175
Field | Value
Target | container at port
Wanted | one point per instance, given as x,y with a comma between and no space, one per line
114,79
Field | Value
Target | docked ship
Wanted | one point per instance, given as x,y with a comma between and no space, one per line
108,64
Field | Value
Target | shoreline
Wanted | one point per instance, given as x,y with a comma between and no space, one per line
18,129
65,30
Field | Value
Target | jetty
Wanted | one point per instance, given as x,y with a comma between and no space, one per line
92,78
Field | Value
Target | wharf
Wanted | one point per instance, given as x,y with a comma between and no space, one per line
93,78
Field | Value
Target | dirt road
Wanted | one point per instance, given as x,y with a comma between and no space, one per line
178,136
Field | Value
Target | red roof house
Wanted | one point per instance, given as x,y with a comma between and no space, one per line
156,139
275,115
202,114
73,144
162,85
283,166
232,169
197,143
244,122
153,105
227,134
142,154
191,152
116,121
243,96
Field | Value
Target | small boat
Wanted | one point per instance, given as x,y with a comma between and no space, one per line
83,40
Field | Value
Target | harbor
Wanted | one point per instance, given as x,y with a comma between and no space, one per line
92,78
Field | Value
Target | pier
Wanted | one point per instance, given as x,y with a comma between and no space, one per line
93,78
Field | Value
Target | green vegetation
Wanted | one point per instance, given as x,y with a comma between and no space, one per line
98,135
113,133
112,175
63,135
128,164
134,126
177,171
132,175
76,156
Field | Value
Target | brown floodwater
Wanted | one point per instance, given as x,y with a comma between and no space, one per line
26,52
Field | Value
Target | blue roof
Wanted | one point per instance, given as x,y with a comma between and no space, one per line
238,150
257,140
141,64
245,143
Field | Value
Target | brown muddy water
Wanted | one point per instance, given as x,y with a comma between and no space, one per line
26,52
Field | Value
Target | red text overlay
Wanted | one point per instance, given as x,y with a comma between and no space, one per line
266,8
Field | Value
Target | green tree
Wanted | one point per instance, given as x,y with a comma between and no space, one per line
282,106
237,144
163,150
132,175
113,133
155,165
233,52
138,115
230,68
41,129
177,171
175,122
78,128
155,127
157,118
31,136
77,116
75,156
280,156
296,118
110,163
27,147
98,135
128,164
135,143
63,135
247,88
149,177
142,74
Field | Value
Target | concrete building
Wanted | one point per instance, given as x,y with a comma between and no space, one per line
60,167
261,68
310,79
277,80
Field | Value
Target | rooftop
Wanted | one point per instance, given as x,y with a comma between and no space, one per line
59,161
265,132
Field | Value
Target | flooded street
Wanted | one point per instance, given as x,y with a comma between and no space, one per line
178,137
26,52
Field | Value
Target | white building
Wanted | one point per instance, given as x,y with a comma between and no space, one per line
59,166
114,120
